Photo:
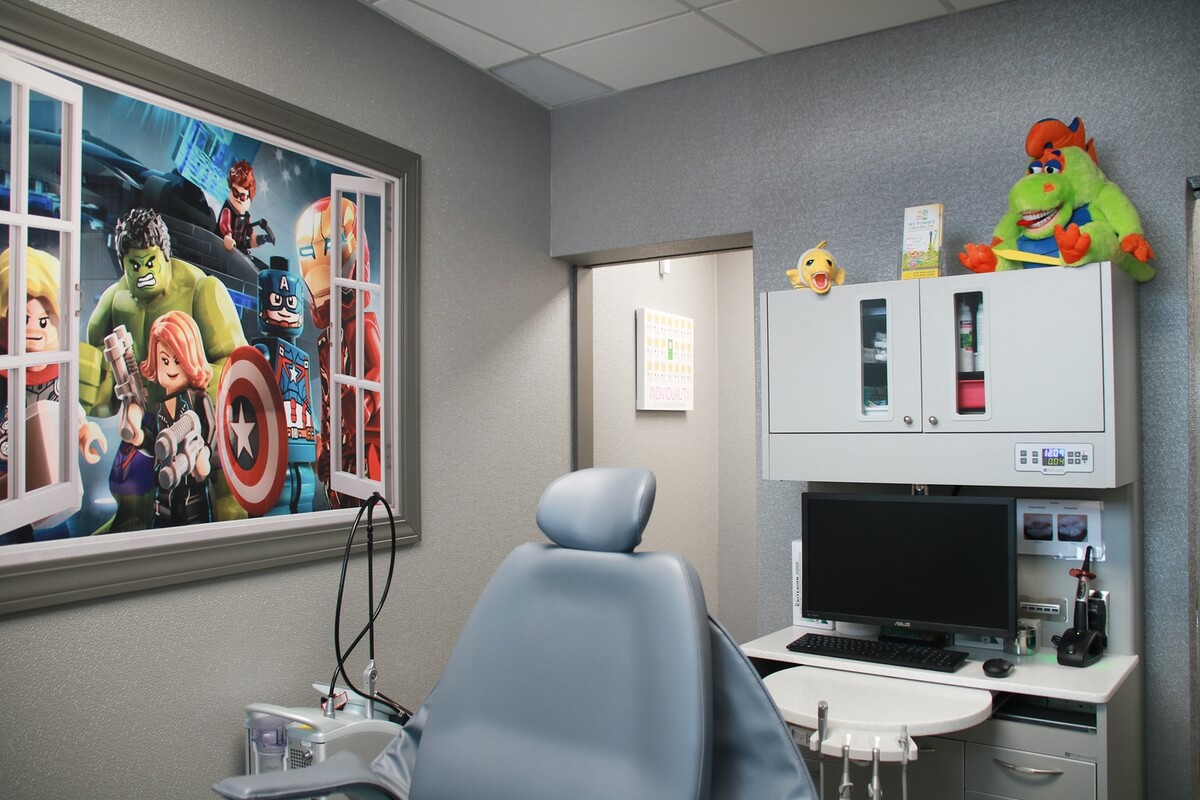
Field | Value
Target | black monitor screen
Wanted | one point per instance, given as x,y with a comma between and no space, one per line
945,564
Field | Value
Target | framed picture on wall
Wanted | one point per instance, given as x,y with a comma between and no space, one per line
218,317
665,360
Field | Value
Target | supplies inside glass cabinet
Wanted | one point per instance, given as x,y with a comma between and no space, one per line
875,371
972,339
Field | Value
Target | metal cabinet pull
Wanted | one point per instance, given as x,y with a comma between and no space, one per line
1026,770
933,420
907,420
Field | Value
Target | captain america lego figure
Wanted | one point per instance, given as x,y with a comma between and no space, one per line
281,304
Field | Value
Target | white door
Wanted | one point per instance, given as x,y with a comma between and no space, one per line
39,237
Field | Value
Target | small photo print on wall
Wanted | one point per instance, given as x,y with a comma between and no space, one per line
665,359
1060,528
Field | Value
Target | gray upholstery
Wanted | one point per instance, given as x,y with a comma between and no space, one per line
608,511
584,671
754,754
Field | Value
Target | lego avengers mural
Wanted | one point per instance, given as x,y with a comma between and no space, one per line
205,257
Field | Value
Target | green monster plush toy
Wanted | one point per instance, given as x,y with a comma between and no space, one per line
1064,211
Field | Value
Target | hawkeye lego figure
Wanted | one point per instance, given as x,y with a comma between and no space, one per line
233,223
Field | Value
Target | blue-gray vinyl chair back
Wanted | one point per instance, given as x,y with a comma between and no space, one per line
585,670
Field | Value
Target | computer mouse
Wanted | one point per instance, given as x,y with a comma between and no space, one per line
997,667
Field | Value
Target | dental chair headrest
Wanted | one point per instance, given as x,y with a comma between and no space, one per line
603,508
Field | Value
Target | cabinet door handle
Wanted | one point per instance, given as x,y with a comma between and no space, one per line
907,420
1026,770
932,420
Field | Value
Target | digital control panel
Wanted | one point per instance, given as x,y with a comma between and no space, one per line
1053,459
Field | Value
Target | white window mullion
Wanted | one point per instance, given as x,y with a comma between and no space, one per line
21,505
358,482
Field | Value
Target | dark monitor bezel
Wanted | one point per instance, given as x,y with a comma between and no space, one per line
931,624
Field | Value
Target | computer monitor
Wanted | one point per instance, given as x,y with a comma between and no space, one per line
922,563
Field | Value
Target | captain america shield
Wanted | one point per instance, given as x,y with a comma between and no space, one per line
252,434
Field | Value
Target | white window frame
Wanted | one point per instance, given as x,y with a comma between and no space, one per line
21,506
357,483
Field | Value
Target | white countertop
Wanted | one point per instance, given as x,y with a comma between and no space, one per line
1039,674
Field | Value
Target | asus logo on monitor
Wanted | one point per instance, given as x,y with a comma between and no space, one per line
899,624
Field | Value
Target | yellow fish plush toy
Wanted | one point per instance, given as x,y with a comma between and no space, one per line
817,270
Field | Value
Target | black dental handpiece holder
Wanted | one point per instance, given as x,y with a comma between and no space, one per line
1080,645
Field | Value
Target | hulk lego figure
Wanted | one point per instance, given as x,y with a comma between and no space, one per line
153,284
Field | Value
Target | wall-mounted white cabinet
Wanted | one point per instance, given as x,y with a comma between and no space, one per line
1023,378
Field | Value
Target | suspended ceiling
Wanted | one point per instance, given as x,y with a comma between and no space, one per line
564,51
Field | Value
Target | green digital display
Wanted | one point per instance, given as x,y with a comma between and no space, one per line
1054,457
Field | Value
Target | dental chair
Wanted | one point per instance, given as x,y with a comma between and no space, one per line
585,670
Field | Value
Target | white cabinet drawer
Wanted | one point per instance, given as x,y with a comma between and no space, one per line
1028,776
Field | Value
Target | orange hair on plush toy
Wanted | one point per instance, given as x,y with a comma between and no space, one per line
1054,134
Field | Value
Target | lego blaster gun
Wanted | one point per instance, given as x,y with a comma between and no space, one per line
127,377
268,235
177,449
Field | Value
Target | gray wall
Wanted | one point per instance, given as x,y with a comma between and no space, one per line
704,459
140,696
833,142
737,464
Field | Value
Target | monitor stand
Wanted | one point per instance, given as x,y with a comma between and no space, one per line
919,637
856,629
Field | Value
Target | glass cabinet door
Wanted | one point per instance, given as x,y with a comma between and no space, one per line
876,377
1014,351
844,362
970,377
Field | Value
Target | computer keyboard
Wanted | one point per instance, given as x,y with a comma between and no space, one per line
900,655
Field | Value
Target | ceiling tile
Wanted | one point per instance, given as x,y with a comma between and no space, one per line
548,83
656,52
781,25
478,48
537,25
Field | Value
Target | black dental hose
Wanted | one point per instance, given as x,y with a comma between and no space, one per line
368,630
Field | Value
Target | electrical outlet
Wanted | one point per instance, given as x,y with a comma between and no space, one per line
1049,609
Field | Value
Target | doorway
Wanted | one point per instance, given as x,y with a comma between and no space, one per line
704,458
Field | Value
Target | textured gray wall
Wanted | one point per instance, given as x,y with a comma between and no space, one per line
833,142
1193,563
140,696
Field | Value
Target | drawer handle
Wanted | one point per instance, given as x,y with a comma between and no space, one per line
1026,770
